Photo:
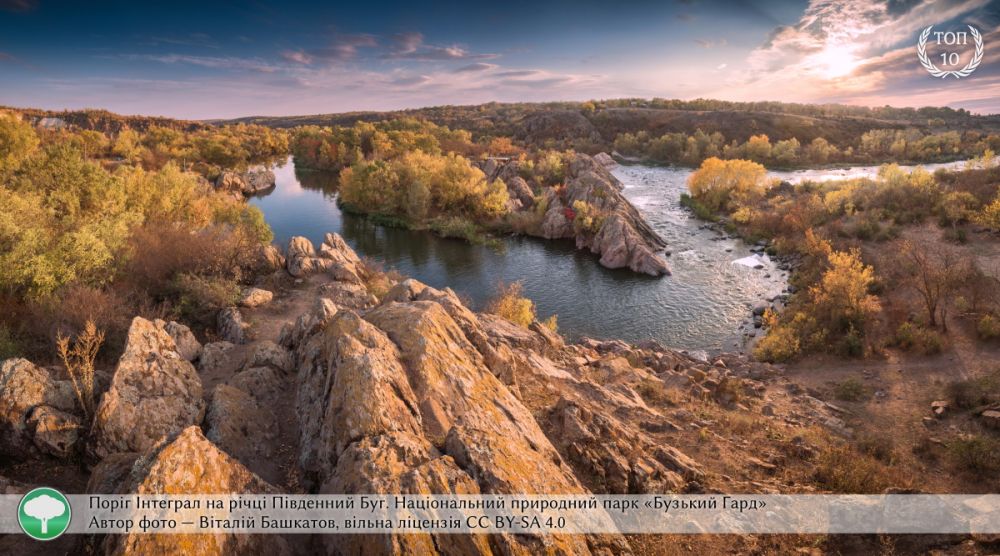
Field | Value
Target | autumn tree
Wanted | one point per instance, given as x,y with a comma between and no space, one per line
724,184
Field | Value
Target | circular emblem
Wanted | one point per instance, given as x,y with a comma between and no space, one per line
950,58
44,514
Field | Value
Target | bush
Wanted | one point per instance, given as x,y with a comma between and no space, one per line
511,305
912,337
8,345
880,447
844,470
977,454
780,344
850,390
199,298
699,210
457,227
975,392
988,327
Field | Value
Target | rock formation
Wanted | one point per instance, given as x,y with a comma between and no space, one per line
617,231
251,182
154,392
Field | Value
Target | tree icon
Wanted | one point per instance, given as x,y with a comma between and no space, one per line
44,514
43,509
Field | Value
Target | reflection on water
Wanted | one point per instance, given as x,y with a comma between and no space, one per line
700,307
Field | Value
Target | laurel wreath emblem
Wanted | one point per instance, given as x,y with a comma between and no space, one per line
933,70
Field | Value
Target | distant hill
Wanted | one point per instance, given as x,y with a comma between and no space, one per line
598,123
101,120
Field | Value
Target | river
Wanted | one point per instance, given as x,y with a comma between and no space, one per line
703,306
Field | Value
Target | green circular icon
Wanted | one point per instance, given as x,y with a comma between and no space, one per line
44,514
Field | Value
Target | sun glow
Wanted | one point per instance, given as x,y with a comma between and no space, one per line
835,61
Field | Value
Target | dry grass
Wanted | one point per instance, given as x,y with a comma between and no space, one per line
78,356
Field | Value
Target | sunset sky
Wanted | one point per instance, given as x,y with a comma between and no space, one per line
228,59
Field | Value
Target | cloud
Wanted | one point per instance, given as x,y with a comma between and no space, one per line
411,46
216,62
518,73
343,48
842,46
684,16
706,43
7,57
201,40
297,56
475,67
18,5
410,81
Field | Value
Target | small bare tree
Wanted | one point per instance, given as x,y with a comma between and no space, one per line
935,272
78,357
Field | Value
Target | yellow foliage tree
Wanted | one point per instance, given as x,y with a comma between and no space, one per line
725,184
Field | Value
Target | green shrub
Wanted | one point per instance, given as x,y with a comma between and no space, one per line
988,327
201,297
457,227
699,210
9,346
850,390
916,338
975,392
977,454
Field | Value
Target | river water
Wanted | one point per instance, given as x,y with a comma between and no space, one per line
703,305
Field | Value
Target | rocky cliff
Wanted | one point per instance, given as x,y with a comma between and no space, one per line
343,387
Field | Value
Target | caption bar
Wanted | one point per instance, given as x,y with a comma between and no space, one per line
528,514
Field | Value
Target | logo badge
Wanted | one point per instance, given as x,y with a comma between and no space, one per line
44,514
958,39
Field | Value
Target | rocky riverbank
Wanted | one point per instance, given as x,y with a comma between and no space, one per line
345,380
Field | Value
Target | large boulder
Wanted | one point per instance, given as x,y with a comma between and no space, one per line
254,297
154,393
188,463
36,412
519,189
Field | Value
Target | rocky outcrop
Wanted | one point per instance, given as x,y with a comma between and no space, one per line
622,237
252,182
231,326
604,159
334,257
607,223
238,424
37,413
187,345
154,393
185,463
401,399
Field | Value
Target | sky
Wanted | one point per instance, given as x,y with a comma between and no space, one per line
226,59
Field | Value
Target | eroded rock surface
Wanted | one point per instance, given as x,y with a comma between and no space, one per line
154,393
185,463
